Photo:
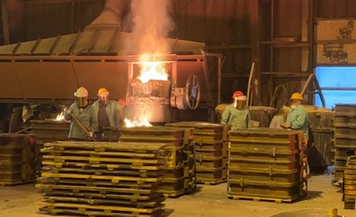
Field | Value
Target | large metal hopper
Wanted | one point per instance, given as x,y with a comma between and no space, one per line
53,68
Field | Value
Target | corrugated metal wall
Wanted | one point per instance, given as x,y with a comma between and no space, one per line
223,24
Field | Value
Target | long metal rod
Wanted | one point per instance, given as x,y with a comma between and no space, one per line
250,80
81,126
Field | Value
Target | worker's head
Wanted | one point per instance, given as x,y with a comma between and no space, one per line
239,100
81,97
103,96
295,100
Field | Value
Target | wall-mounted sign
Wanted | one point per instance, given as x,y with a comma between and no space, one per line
335,42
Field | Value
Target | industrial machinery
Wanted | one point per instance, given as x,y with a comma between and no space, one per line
47,71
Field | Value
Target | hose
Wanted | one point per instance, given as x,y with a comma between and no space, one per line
279,98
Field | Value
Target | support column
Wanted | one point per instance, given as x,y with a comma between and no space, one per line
254,12
5,22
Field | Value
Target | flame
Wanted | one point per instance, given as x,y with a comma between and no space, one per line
141,123
152,70
60,117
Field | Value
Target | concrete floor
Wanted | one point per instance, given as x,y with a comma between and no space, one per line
210,201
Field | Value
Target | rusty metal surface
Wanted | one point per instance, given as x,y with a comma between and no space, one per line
180,178
120,177
349,179
18,159
211,150
265,163
344,136
50,130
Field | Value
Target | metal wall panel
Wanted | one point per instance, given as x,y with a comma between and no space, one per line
335,8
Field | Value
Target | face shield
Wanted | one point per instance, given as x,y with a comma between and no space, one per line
103,99
81,102
239,103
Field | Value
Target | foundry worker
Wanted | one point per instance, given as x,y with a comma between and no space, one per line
83,113
236,115
297,118
108,112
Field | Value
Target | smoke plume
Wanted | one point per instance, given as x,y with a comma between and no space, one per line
152,21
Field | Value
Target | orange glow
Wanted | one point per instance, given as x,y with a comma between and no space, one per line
60,117
152,70
141,123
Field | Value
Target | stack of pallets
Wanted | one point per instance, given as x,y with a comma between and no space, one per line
180,177
350,183
344,136
266,164
102,179
18,159
211,150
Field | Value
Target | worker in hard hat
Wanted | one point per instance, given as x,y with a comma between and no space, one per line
236,115
109,112
84,113
297,119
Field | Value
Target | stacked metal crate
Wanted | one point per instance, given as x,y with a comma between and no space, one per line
211,150
350,183
344,135
102,179
18,159
50,130
180,177
266,164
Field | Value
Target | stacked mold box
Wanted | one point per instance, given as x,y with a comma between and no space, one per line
180,177
18,159
344,135
211,150
266,164
350,183
102,179
50,130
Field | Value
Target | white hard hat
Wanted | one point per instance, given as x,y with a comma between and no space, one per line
81,92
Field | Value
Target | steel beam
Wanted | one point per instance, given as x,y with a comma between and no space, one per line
254,11
5,22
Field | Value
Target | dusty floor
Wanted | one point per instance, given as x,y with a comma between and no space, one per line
210,201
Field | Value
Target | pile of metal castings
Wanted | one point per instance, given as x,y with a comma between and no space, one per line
211,150
102,179
266,164
180,176
350,183
18,159
344,136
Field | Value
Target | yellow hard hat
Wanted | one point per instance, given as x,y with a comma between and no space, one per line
296,96
103,90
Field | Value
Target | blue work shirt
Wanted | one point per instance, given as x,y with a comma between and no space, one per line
297,119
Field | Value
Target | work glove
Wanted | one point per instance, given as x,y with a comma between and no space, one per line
90,134
68,111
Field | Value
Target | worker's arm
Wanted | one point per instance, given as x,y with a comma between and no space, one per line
67,115
225,116
299,122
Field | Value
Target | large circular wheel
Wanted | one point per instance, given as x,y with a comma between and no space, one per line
192,92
